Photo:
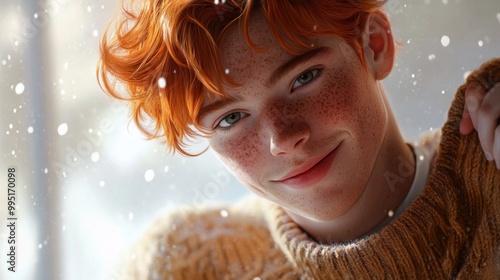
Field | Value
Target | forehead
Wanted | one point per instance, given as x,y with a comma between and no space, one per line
237,56
244,64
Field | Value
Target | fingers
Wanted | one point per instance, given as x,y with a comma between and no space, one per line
486,115
474,95
482,113
466,125
496,147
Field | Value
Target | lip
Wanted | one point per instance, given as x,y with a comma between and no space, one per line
311,172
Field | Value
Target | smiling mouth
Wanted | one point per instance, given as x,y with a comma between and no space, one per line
311,172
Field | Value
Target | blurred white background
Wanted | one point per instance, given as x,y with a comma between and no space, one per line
89,184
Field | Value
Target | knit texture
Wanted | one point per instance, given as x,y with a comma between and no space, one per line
451,231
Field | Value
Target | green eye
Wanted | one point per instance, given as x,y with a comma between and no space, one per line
305,78
230,119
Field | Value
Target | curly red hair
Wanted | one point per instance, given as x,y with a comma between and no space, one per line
166,52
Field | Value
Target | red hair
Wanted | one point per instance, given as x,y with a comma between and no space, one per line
178,41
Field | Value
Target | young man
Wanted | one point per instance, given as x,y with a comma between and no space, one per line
289,95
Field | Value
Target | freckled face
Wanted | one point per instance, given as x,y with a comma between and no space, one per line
308,141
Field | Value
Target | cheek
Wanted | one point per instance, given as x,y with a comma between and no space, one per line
335,103
348,100
240,152
358,106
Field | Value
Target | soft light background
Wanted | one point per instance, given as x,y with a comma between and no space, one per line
88,184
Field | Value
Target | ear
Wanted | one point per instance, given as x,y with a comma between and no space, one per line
378,45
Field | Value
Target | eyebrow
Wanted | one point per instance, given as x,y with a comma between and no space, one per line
216,105
291,64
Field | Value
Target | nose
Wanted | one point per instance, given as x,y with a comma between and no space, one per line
288,132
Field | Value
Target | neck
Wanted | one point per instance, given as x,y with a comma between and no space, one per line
389,183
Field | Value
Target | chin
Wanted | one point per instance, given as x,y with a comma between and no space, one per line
325,217
324,214
330,207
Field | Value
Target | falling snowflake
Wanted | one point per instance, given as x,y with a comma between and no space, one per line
445,41
149,175
19,88
162,83
95,157
224,213
62,129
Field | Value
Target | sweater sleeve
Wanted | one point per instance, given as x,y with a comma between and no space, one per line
217,243
476,215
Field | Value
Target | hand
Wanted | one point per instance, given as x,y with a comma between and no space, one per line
482,113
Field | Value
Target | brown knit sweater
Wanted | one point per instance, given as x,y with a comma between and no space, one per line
451,231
